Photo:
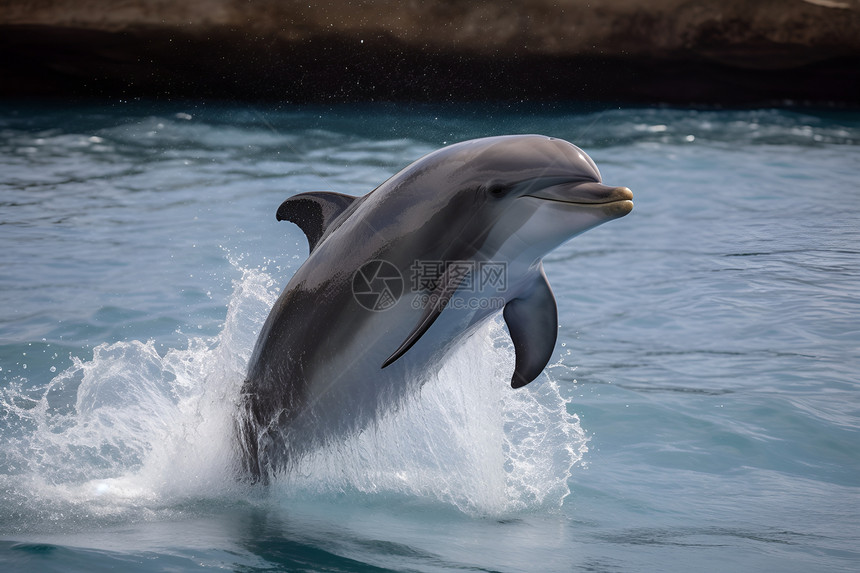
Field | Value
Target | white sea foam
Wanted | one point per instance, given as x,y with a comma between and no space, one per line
133,430
467,439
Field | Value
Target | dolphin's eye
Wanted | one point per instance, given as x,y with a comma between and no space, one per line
497,190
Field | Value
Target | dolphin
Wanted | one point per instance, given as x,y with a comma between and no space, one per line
399,276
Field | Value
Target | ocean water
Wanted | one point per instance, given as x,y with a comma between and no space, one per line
702,411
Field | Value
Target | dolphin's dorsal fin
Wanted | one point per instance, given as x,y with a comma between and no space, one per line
314,212
532,320
447,285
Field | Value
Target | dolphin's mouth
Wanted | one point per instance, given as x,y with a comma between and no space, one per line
585,193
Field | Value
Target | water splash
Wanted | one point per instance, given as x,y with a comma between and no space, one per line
467,439
135,434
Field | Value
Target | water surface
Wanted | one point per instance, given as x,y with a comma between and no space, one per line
701,412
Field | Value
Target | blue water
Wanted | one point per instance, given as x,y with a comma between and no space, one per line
702,411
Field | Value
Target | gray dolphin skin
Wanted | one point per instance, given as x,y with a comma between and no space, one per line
398,277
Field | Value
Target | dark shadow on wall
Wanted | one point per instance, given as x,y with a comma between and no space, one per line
49,62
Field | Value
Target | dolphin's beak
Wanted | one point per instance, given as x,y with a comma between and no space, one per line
585,193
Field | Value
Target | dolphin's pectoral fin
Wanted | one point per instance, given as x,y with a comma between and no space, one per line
314,212
532,321
436,303
426,320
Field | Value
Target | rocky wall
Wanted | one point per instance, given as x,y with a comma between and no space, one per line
673,51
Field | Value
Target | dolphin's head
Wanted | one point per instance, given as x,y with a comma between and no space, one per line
536,192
